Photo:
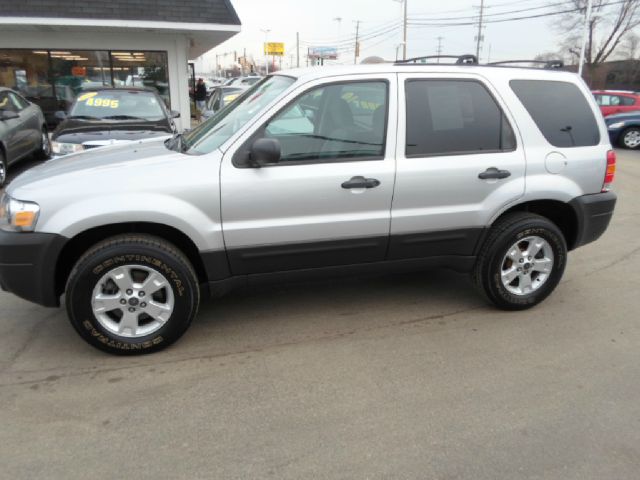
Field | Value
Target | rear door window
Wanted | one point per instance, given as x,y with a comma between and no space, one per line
560,111
450,117
627,101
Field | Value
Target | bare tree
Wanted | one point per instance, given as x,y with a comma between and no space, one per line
611,22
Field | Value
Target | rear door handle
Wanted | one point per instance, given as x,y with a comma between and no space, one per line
361,182
494,173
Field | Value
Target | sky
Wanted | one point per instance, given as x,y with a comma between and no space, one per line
333,23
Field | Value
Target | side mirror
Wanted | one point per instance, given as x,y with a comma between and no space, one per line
265,151
174,114
8,114
60,115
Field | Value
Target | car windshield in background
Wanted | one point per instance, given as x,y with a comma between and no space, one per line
117,105
214,132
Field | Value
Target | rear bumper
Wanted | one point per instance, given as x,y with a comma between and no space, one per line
28,265
594,213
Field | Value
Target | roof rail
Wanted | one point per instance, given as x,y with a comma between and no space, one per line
549,64
460,59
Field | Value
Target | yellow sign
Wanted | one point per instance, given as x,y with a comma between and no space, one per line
274,48
93,101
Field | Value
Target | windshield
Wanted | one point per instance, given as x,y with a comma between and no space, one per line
117,105
214,132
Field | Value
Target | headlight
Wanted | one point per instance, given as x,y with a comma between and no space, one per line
615,126
66,148
18,216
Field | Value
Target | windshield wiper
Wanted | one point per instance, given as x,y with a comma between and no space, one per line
84,117
125,117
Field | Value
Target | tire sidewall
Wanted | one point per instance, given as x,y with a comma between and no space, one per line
624,134
493,270
91,270
45,153
3,164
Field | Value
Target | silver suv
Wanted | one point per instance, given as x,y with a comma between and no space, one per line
490,170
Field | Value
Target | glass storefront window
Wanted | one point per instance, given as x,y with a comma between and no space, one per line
26,71
53,78
141,69
73,71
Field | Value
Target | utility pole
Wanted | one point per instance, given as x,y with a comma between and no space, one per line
479,37
298,49
404,38
587,21
357,49
439,51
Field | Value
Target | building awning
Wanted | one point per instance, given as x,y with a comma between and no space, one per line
202,36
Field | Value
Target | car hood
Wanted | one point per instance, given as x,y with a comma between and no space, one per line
95,167
81,131
619,117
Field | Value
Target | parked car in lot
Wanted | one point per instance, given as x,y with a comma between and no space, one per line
615,101
23,131
624,129
343,170
105,116
243,81
220,97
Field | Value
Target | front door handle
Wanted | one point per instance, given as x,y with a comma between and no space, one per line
494,173
361,182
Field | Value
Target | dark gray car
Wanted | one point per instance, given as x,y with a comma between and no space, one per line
23,131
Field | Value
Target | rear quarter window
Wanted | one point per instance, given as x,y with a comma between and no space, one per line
560,111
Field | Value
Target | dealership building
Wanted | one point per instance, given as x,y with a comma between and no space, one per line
51,50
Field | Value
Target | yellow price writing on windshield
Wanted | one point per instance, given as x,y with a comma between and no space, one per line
103,102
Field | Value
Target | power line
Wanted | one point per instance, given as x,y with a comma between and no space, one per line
350,38
512,2
564,3
502,20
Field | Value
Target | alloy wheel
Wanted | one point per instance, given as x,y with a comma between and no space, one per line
527,265
133,301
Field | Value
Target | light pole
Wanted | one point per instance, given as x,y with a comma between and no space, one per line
266,56
339,20
397,48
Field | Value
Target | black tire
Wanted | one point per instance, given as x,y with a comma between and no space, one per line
505,233
142,251
44,150
624,135
3,169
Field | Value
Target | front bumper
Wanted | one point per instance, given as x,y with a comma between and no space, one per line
594,213
28,265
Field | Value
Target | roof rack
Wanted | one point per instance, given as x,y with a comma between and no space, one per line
460,60
549,64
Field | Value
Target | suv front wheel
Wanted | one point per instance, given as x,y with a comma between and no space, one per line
521,262
132,294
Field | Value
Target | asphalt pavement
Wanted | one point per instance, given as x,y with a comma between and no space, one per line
400,376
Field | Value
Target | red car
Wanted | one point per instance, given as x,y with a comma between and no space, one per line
617,101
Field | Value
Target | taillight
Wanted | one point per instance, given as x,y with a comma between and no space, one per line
610,173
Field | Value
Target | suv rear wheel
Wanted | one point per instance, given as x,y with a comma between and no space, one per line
521,262
132,294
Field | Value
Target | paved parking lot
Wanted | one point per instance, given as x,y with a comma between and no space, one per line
404,376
